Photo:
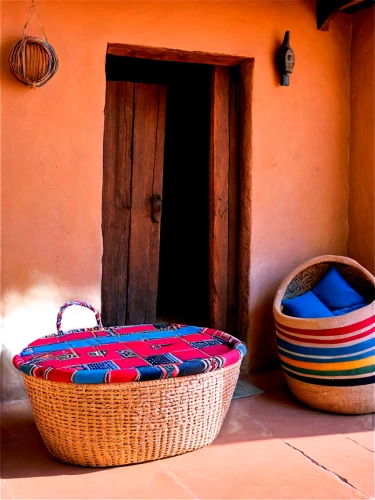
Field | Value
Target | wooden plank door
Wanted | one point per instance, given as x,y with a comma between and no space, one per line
224,202
132,196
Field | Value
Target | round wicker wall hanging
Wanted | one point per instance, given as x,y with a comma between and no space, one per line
32,60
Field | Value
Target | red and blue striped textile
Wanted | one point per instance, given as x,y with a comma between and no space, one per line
341,356
128,353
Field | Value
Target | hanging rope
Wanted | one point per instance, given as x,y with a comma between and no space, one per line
33,9
33,61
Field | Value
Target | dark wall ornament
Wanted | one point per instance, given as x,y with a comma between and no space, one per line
285,60
33,61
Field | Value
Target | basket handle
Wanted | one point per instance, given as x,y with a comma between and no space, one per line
32,9
77,303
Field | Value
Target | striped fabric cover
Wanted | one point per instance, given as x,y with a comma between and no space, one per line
131,353
342,356
128,353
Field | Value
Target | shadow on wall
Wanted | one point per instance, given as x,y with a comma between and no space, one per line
6,75
12,387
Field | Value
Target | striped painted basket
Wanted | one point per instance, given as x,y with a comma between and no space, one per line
329,363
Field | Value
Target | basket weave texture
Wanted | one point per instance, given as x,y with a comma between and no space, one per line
101,425
33,61
329,362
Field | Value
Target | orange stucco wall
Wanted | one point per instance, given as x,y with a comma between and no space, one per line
52,149
361,244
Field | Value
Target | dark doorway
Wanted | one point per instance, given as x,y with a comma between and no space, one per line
183,293
183,278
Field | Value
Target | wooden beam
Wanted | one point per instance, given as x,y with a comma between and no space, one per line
327,9
244,237
218,196
164,54
233,198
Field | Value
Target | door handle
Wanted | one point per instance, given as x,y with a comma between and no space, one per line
156,208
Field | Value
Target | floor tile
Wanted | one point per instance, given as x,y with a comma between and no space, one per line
270,447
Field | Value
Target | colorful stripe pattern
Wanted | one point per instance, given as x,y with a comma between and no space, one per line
129,353
343,356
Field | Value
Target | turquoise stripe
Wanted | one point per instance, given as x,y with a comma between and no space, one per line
331,359
26,368
159,335
83,342
51,347
327,351
188,330
107,340
89,376
130,338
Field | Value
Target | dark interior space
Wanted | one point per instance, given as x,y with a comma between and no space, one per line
183,286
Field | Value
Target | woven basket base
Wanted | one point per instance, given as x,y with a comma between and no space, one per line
354,400
100,425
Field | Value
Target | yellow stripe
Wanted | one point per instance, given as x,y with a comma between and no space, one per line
343,365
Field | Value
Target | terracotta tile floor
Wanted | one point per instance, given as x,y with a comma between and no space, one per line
270,446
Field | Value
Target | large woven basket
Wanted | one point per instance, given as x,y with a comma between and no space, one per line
98,402
99,425
324,359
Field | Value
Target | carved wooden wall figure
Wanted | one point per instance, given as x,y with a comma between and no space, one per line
285,60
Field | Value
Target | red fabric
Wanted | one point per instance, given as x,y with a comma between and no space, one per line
330,331
215,350
61,375
123,375
341,340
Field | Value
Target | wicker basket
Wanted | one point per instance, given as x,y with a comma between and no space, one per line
103,413
33,61
314,344
127,423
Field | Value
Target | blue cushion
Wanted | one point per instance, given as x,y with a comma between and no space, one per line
336,293
306,306
346,310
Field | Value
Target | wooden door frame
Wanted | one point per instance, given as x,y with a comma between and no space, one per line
246,84
133,159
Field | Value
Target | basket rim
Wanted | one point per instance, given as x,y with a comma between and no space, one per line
322,323
172,381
